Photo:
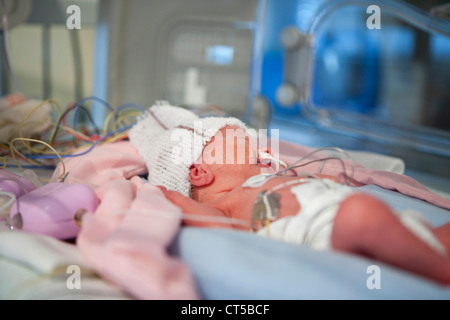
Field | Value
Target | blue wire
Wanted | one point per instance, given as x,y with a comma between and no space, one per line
124,106
84,100
30,167
130,105
120,130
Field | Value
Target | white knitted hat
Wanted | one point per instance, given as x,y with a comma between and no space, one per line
171,139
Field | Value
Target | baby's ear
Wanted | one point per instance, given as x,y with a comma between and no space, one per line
200,175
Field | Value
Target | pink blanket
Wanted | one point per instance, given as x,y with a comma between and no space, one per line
290,153
127,238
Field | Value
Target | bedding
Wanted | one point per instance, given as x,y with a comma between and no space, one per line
133,246
38,267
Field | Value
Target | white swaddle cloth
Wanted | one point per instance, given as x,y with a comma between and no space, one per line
319,200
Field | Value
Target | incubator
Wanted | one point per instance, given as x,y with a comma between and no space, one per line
360,75
353,89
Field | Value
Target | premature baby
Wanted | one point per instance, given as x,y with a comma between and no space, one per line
215,171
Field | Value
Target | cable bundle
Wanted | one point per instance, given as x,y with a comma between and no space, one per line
61,139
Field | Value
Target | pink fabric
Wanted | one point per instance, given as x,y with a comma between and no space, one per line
127,238
290,153
108,162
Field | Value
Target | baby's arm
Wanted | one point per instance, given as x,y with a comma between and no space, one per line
197,214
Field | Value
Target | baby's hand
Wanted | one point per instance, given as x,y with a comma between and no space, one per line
196,214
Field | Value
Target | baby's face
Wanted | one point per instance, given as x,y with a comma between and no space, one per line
234,152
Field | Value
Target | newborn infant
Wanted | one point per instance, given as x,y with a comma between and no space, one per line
226,184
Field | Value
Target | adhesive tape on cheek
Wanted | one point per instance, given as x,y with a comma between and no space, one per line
267,158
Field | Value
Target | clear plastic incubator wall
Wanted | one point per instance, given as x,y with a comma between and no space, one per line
361,75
